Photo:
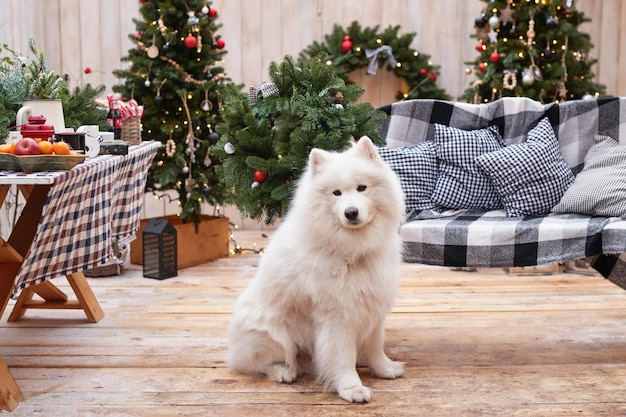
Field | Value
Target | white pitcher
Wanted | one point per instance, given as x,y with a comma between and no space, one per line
51,109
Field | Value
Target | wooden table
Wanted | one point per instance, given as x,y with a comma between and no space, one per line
66,226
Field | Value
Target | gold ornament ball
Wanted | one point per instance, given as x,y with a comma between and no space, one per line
468,70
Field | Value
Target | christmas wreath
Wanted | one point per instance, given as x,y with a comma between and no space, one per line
268,133
355,48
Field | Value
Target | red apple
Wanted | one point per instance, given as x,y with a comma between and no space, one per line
26,146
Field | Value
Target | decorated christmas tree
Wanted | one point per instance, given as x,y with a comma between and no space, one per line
356,47
268,133
174,72
532,49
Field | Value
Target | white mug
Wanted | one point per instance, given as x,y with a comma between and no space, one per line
92,145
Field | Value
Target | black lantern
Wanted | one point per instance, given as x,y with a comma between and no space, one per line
160,249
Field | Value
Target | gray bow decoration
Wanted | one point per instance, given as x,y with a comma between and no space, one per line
372,67
264,90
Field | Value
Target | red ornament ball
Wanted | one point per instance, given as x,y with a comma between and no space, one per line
190,41
220,43
87,70
480,46
144,1
260,176
433,76
346,45
481,67
495,57
212,12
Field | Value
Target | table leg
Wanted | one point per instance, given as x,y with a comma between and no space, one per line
10,393
54,298
86,297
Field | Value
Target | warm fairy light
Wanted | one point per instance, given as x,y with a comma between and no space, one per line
415,53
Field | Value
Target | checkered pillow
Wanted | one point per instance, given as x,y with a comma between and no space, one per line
600,188
530,177
461,184
416,166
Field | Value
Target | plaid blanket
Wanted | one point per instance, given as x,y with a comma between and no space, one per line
490,239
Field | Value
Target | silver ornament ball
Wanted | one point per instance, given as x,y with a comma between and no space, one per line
229,148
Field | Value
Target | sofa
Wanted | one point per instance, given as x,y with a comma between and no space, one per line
511,183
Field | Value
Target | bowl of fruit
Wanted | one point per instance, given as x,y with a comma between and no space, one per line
31,155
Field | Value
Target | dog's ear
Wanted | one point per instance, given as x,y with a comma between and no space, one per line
317,157
365,147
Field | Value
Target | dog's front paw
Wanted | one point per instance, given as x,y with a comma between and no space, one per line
391,370
355,394
280,372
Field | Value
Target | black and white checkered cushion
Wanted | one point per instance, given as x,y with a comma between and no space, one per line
461,184
600,188
530,177
416,166
575,123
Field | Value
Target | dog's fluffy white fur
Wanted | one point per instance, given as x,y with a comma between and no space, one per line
328,278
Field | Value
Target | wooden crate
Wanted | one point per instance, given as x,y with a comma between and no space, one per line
208,244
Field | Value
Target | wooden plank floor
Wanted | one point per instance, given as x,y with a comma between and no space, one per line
475,344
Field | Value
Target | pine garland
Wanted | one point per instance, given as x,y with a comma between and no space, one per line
265,143
23,79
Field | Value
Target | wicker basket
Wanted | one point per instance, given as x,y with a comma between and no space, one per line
131,131
115,267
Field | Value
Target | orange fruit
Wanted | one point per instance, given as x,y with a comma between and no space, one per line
5,148
61,148
45,147
13,146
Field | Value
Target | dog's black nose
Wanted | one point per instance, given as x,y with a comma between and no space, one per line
351,213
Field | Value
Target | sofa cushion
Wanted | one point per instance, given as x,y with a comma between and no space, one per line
416,166
530,177
460,183
600,188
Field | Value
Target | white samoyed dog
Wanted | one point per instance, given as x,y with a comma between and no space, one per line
327,279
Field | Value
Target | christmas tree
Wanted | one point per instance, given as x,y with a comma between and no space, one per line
356,47
267,134
532,49
174,73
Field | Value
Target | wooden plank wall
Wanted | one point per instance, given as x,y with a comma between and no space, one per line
75,34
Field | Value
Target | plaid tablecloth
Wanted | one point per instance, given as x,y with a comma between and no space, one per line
86,207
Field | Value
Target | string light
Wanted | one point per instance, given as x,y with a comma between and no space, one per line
238,249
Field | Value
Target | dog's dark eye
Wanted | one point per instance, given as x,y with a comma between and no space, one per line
361,188
337,192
